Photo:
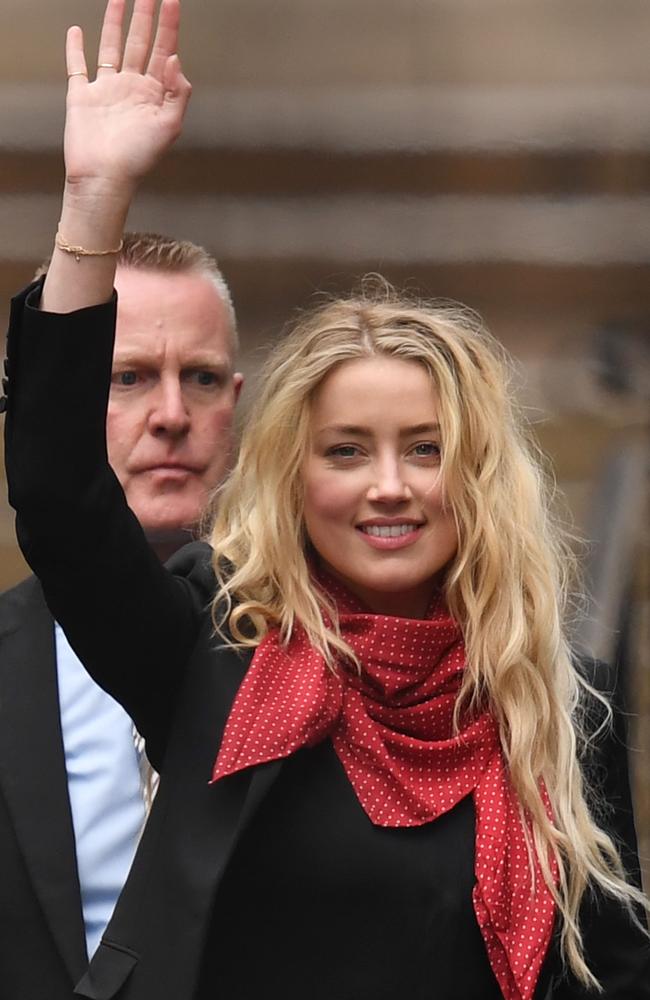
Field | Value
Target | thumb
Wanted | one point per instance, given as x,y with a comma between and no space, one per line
177,87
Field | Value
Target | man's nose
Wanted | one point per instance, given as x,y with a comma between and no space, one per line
170,413
389,484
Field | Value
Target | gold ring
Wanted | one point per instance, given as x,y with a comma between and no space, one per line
105,66
78,72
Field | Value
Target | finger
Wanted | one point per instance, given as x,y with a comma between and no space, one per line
178,88
138,39
110,43
178,91
166,40
75,60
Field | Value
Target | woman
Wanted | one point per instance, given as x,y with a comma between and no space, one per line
366,727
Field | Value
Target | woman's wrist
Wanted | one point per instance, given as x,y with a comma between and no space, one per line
93,215
82,269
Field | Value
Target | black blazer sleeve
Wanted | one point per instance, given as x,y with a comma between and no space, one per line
617,951
130,621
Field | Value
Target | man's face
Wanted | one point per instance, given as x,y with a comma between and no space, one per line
172,398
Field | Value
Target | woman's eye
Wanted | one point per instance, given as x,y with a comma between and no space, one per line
343,451
427,449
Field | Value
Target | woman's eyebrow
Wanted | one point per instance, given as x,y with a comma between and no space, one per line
427,428
353,429
360,431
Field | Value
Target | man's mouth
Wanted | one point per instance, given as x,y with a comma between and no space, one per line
179,467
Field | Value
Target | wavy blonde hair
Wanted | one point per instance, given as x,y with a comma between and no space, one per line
507,585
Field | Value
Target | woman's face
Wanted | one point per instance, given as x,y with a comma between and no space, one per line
374,507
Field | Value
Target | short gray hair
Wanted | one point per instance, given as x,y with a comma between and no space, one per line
155,252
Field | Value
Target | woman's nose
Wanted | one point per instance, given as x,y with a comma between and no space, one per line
389,485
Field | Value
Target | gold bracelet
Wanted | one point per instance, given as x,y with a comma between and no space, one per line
61,242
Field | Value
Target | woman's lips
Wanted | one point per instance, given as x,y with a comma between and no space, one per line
390,536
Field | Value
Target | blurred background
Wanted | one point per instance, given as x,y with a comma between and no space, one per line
492,151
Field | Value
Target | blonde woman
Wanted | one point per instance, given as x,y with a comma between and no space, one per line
378,778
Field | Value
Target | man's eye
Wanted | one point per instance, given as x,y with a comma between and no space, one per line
204,378
124,378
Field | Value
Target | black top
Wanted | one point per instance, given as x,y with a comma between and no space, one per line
389,910
271,882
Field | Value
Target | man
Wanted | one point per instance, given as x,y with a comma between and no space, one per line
71,790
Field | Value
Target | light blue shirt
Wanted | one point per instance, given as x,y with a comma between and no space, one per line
104,785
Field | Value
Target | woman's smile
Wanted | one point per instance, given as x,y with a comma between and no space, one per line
390,534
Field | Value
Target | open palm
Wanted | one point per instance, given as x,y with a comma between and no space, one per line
118,126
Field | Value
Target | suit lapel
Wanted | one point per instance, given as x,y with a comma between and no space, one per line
32,766
216,817
262,778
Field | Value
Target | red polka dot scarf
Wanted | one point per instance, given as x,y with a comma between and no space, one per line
392,729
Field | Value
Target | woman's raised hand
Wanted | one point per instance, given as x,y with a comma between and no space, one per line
116,128
118,125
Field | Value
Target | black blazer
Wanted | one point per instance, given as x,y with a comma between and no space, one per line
144,633
42,939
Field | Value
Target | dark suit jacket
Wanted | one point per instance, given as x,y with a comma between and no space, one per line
144,633
42,940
